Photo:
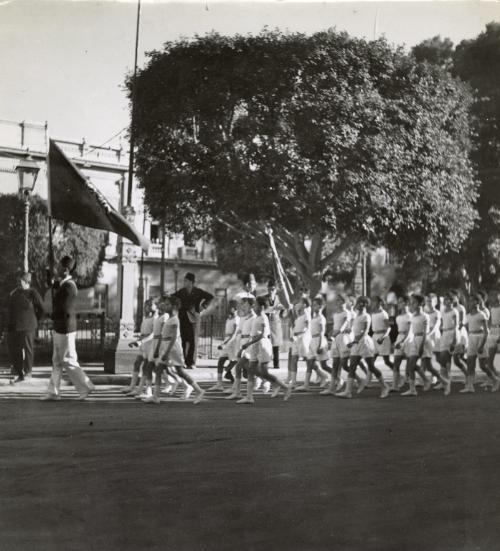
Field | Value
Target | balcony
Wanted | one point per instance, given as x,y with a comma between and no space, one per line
184,255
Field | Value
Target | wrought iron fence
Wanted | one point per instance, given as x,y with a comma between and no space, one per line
94,333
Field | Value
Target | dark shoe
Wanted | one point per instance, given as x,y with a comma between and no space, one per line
229,376
189,367
19,379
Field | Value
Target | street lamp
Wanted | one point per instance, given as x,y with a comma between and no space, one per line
27,171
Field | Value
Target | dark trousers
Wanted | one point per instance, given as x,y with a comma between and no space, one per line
276,357
188,342
21,352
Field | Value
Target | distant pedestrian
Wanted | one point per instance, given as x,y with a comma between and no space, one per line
193,301
64,335
25,311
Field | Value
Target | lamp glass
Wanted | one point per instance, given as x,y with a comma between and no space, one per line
27,172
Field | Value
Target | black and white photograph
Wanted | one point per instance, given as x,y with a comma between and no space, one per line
249,275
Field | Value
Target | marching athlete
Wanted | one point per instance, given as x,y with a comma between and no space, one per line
494,324
260,350
230,346
248,314
341,336
419,327
463,338
362,347
449,336
170,351
144,343
477,326
301,339
381,329
318,347
401,346
432,340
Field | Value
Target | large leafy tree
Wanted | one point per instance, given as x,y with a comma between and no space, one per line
332,141
477,62
85,244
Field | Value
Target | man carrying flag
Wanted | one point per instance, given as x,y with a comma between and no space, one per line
64,335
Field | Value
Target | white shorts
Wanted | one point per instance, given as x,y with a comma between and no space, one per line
364,348
175,357
383,349
264,350
151,351
145,349
493,338
248,351
473,348
447,339
318,342
339,345
414,346
404,350
300,346
431,346
463,341
230,351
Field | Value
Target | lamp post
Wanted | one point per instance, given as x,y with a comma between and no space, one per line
176,273
27,172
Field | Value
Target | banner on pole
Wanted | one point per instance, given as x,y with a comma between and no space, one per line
73,198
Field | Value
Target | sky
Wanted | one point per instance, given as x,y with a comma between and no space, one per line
65,61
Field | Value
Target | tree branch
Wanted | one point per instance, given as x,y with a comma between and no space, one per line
335,254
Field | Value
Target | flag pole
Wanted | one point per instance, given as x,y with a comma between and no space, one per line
49,209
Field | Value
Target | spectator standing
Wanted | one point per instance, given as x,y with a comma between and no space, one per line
24,311
193,301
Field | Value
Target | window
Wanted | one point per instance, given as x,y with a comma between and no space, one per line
154,232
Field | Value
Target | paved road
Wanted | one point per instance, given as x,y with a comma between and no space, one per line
315,473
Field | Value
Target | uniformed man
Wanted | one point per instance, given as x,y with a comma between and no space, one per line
193,301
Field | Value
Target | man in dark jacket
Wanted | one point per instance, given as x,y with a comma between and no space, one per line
64,335
25,309
193,300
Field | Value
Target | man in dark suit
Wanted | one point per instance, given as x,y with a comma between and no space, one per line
64,335
193,300
25,309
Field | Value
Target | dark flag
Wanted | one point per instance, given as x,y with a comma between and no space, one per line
73,198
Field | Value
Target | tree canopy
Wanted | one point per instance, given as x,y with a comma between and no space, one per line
477,62
330,140
85,244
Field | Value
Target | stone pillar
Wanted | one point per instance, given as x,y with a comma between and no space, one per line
127,284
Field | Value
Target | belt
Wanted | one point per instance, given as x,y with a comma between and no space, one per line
316,336
157,337
418,334
145,335
476,332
